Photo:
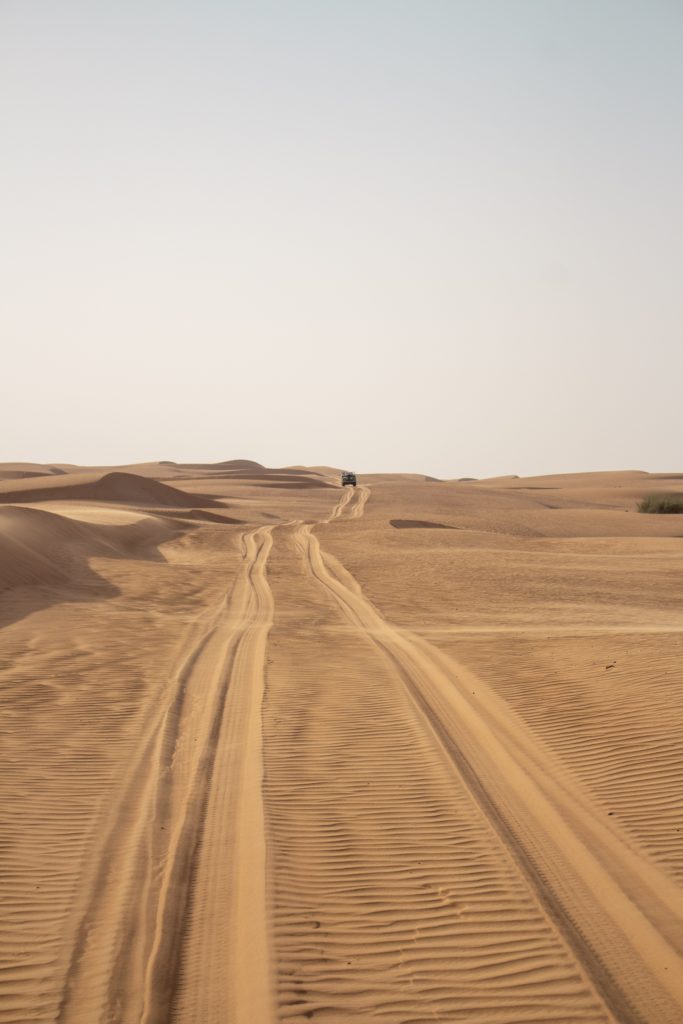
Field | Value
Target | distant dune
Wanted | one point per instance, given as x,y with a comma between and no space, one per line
228,465
607,478
267,479
118,487
20,474
237,469
25,470
293,480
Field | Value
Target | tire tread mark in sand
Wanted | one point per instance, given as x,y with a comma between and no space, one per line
606,985
362,496
163,732
604,982
171,928
353,500
163,976
151,793
225,968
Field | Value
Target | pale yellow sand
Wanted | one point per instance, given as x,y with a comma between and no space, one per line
276,751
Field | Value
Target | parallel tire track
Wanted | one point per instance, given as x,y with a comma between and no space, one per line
393,898
226,966
352,503
133,930
625,933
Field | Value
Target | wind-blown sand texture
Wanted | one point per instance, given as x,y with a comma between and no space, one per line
274,751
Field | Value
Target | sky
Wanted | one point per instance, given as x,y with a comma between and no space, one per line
437,236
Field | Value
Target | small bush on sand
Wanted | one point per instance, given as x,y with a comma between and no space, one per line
662,503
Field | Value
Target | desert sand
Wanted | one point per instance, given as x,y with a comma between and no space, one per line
278,751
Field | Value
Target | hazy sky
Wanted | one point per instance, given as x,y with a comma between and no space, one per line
442,236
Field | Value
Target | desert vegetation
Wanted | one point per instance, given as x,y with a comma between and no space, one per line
662,504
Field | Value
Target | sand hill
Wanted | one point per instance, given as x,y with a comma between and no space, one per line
37,546
120,487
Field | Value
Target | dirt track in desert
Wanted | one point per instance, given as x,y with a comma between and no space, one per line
278,751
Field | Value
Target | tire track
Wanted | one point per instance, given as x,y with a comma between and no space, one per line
348,495
619,916
357,507
132,932
226,971
393,898
351,505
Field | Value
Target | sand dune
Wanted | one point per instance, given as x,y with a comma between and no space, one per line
270,478
25,470
37,545
120,487
21,474
619,489
46,557
405,752
34,546
230,465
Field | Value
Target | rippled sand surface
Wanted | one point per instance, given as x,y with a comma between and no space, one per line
276,750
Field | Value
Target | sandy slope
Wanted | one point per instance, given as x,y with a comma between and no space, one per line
281,752
105,487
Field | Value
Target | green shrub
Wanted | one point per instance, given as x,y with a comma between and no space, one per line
662,503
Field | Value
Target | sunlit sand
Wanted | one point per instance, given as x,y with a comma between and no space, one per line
281,751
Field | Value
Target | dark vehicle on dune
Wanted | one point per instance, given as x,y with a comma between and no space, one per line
348,478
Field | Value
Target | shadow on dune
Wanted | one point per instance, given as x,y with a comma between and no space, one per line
21,474
419,524
200,515
295,483
45,557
